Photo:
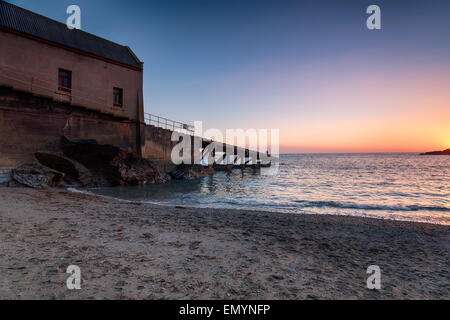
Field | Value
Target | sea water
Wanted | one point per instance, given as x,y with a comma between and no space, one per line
389,186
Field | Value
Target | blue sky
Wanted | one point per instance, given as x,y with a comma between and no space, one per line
309,68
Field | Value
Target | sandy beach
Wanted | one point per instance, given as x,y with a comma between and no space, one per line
139,251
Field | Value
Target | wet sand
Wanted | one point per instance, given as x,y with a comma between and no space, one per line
136,251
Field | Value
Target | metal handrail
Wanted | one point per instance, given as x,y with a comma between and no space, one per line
168,124
28,80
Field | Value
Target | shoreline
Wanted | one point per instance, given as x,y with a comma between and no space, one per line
298,212
131,250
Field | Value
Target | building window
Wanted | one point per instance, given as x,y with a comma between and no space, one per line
65,80
118,97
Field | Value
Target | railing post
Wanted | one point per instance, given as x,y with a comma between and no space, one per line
168,124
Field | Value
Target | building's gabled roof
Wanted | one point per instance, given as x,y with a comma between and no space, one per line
26,22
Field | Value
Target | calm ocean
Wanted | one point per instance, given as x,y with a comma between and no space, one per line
392,186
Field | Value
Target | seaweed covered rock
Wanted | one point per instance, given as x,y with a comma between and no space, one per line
37,176
189,172
74,172
112,166
135,170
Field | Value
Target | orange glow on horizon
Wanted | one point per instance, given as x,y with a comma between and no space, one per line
349,105
361,113
366,135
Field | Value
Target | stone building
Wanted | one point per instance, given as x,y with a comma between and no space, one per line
58,82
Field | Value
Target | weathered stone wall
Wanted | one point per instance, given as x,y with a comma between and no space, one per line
158,147
29,124
32,66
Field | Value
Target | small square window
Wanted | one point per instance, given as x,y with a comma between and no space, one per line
118,97
65,80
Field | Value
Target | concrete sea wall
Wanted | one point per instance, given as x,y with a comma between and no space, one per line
29,124
158,147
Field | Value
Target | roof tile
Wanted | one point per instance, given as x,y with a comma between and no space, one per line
24,21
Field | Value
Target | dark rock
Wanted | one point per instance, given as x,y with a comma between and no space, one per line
134,170
96,157
436,153
189,172
112,166
37,176
223,167
75,172
179,175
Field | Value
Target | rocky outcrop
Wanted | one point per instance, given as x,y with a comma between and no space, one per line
37,176
436,153
134,170
189,172
75,173
86,163
112,166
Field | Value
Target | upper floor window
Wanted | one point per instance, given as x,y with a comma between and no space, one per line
65,80
118,97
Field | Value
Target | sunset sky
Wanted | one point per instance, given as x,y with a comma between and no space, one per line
309,68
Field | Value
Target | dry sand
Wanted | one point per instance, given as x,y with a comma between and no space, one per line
135,251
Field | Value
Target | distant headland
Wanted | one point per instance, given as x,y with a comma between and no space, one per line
436,153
